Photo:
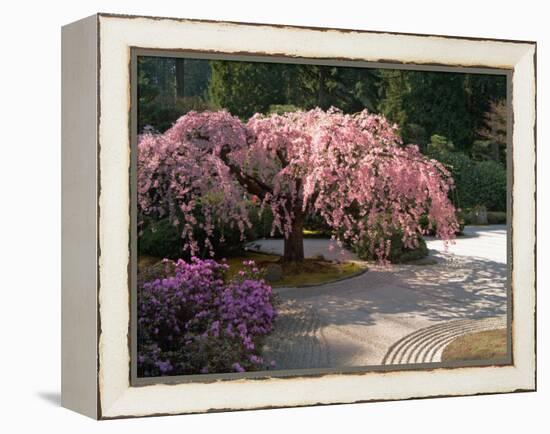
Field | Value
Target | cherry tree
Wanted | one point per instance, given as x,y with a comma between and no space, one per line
350,169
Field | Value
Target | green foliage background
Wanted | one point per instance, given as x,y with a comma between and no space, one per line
477,183
422,103
453,117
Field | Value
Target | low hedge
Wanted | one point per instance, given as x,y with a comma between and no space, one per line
162,239
398,252
493,218
476,182
496,217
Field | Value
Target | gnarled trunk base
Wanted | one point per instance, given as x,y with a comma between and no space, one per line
294,244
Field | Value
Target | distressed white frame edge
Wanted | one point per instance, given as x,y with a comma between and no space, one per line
116,36
79,255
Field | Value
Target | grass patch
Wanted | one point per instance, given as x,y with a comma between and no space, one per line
150,268
146,261
490,344
310,272
313,233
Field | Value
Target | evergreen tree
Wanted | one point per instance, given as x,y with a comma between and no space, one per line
246,88
448,104
422,104
494,131
196,77
482,90
349,89
169,88
438,102
393,87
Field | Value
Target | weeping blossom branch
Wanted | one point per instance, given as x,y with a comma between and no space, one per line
350,169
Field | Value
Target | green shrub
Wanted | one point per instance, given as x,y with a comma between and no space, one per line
282,108
439,144
162,114
318,225
160,238
476,183
493,217
398,252
261,223
490,186
496,217
431,230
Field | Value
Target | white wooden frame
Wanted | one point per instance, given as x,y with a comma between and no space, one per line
96,218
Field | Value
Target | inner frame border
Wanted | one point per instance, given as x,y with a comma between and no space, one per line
136,52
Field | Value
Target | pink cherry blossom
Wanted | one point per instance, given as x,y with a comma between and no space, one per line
351,169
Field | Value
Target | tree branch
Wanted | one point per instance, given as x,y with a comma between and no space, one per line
252,184
282,158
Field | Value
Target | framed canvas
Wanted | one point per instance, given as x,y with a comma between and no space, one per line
262,216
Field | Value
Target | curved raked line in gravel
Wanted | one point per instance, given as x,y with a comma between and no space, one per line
426,345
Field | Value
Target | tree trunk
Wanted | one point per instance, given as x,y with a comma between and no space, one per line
294,244
496,151
180,69
321,92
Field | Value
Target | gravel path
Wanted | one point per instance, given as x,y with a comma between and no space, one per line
396,314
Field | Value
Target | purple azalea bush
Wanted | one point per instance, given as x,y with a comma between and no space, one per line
197,321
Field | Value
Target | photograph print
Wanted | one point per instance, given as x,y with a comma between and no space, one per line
299,216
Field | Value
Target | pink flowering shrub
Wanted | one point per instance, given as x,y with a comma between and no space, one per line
352,170
195,321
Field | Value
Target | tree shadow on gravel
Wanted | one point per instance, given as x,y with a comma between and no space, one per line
457,287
